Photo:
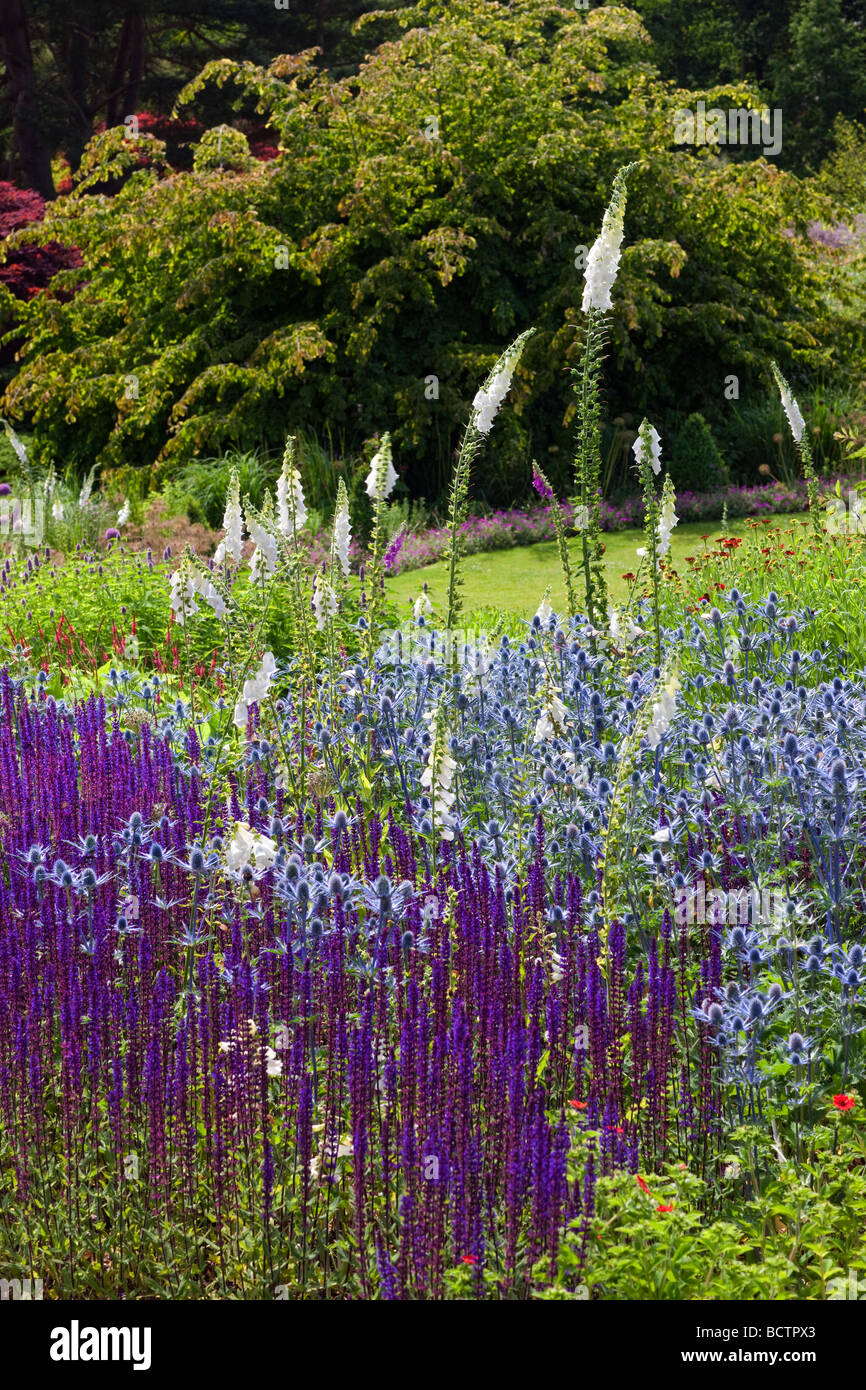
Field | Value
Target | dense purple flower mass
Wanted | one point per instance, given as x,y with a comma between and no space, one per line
252,1004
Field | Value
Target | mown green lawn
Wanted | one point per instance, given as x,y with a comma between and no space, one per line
515,580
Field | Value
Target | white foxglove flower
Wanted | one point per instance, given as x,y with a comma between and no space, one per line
16,443
182,597
291,507
655,458
86,489
544,612
123,514
246,845
664,710
422,607
57,509
581,518
232,545
272,1063
553,719
490,396
792,410
335,1150
324,602
603,259
342,529
264,558
211,596
667,521
381,479
256,689
438,776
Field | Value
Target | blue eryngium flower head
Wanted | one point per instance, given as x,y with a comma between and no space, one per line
196,861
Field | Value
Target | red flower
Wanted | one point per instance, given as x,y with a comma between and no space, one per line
578,1104
469,1259
661,1207
844,1102
642,1185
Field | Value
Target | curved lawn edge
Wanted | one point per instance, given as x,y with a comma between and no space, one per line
514,579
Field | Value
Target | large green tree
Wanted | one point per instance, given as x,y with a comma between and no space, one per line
419,215
72,67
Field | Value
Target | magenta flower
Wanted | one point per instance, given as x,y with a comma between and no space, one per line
541,487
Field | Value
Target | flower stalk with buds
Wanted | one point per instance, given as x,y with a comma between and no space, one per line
798,431
485,406
599,277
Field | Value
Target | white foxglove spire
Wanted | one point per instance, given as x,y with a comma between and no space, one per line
342,528
438,775
256,689
655,458
603,259
382,478
263,560
490,396
790,406
232,544
291,507
324,602
664,709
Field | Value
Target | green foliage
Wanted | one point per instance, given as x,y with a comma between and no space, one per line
696,462
200,487
81,613
222,148
797,1237
843,172
821,74
419,216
